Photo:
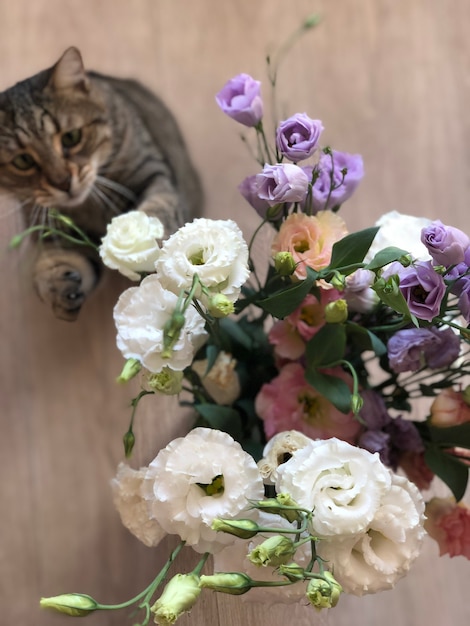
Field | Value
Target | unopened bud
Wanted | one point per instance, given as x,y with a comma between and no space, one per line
128,441
171,333
273,551
234,583
324,592
276,506
243,528
292,572
179,596
356,403
16,241
168,381
405,260
338,281
74,604
220,306
336,312
284,263
131,368
273,212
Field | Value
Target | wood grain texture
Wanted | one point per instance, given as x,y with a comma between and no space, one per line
389,79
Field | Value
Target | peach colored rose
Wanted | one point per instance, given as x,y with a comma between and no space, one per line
288,402
448,523
449,409
310,239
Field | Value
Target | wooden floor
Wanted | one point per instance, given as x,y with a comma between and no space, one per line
390,79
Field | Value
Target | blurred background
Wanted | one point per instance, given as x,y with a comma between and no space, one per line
390,80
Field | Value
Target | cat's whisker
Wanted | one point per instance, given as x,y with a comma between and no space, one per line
117,188
15,207
103,199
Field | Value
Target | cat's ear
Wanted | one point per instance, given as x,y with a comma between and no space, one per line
69,72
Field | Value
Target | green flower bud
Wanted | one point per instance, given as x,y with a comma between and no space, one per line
129,441
274,506
220,306
338,281
74,604
356,403
405,260
243,528
168,381
273,551
131,368
273,212
179,596
284,263
16,241
292,572
336,312
171,333
234,583
324,592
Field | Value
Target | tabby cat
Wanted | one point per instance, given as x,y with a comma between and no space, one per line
91,146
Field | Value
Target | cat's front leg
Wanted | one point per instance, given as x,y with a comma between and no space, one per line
63,278
162,200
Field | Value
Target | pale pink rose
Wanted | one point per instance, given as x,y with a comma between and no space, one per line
288,402
416,470
310,239
449,409
448,523
288,336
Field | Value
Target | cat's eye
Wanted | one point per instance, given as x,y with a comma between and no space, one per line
23,161
71,138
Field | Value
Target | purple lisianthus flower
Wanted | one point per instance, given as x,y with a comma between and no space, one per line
374,412
410,349
446,244
376,441
464,301
458,273
404,437
282,182
240,99
249,190
297,137
333,187
423,289
358,293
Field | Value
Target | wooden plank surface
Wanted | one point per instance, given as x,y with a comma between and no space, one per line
390,79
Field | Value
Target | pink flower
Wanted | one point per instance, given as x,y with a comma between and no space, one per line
288,402
310,239
449,409
288,336
448,523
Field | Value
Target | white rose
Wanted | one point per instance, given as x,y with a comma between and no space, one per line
343,485
278,450
140,316
375,560
132,507
174,481
214,249
130,244
221,382
400,231
233,558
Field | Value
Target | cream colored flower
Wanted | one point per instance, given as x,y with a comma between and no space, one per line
221,381
132,507
130,244
196,479
376,559
140,316
400,231
277,451
343,485
213,249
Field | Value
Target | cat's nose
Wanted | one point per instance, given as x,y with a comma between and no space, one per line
64,183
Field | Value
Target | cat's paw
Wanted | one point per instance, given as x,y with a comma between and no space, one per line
63,279
164,207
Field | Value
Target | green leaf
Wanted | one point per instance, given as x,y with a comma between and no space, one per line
384,257
450,436
235,332
352,248
449,469
333,388
364,339
390,294
327,346
283,302
223,418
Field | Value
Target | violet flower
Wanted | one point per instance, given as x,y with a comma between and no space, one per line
423,289
240,99
446,244
332,187
464,301
282,182
374,412
297,137
249,190
410,349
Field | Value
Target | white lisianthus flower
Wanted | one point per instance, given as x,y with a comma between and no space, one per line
214,250
343,485
277,451
233,558
140,316
400,231
132,507
197,478
130,244
375,560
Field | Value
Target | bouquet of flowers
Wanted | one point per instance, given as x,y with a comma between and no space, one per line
307,470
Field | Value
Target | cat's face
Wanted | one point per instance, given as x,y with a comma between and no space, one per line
54,136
